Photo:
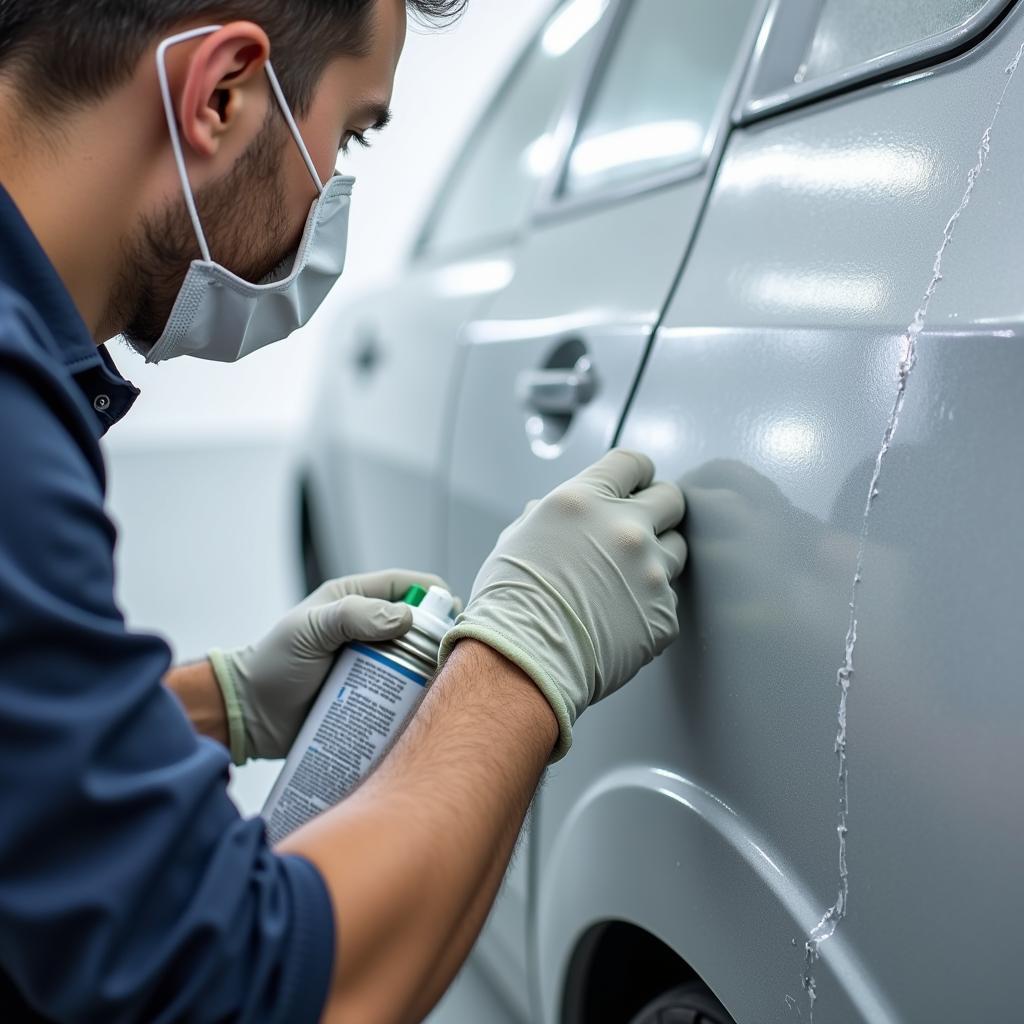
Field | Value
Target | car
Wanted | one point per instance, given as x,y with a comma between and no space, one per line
770,244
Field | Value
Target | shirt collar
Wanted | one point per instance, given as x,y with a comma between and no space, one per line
26,268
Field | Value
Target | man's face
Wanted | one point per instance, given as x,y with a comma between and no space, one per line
255,214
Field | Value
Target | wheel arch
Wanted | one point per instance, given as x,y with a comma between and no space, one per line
667,858
615,969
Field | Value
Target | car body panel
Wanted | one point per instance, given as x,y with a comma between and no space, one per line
767,397
723,894
494,469
599,279
382,416
387,381
700,803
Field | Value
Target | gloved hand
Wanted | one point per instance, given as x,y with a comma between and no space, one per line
578,591
268,687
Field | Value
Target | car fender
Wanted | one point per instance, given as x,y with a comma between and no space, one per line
649,847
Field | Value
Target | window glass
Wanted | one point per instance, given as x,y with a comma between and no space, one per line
657,97
850,32
513,148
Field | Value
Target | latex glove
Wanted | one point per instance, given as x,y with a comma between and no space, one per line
578,591
268,687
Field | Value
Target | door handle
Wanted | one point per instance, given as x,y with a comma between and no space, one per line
558,392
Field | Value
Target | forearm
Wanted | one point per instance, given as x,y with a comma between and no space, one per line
451,958
413,859
200,696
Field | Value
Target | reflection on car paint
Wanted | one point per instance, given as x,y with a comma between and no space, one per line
826,927
891,165
571,24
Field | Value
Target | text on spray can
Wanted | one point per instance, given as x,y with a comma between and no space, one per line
368,697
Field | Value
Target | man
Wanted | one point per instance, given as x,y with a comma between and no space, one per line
137,136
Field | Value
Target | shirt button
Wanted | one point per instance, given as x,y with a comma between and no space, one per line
101,403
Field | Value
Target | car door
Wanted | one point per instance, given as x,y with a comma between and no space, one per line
548,370
794,752
383,410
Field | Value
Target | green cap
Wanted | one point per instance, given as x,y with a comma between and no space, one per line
414,596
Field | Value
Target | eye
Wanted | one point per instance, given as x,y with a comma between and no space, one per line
359,138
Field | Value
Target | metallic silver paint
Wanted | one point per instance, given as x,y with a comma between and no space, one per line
770,412
701,801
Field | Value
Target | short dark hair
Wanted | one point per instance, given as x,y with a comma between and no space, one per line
66,53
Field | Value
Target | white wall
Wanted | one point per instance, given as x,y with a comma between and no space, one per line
201,471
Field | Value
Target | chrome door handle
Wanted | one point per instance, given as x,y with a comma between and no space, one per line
557,392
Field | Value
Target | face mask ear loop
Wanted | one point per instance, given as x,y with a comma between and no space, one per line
172,125
275,85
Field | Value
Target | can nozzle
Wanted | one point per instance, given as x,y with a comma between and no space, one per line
414,596
433,614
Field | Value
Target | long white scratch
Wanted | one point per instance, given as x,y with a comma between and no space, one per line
826,927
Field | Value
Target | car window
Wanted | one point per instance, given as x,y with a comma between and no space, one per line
513,148
813,48
655,102
852,31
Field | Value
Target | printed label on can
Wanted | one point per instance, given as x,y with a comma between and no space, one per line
363,704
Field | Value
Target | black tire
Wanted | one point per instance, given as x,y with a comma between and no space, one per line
691,1003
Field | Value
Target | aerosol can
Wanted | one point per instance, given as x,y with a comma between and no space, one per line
368,697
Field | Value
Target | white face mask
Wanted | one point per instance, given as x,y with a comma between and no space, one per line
219,316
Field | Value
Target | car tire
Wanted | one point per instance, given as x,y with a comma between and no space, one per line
691,1003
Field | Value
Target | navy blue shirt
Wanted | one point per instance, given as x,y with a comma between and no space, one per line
130,887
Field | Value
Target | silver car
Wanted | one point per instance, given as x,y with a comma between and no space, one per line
771,245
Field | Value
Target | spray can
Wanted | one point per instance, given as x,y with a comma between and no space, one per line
368,697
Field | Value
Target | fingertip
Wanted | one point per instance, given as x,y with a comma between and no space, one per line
403,580
666,503
437,581
621,472
676,550
644,464
389,619
400,611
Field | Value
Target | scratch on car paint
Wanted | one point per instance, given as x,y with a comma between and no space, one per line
826,927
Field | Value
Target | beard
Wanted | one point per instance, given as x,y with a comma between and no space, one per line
244,220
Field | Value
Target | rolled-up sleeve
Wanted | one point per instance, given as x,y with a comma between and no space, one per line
130,887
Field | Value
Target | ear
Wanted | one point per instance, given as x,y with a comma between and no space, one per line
222,84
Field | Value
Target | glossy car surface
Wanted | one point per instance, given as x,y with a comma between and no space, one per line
764,289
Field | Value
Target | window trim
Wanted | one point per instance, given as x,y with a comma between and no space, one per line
420,252
554,204
785,27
